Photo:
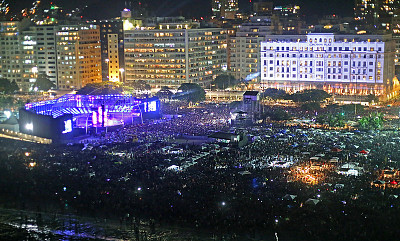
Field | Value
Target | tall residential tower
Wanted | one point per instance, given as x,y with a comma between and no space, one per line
225,8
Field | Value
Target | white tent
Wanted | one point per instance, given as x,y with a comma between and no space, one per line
245,173
312,201
173,168
289,197
339,185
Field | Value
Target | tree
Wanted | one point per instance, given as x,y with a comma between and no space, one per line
351,108
364,122
313,95
43,83
372,122
311,106
140,85
102,88
274,93
372,98
376,120
164,93
7,86
277,115
191,92
224,81
333,120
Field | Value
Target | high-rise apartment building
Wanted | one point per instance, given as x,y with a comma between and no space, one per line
112,49
374,15
289,17
171,54
396,35
78,56
17,54
69,55
263,8
46,52
340,64
245,47
225,8
113,60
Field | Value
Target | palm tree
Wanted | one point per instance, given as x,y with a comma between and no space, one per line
364,122
376,120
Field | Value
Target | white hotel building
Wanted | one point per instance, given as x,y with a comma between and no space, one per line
339,64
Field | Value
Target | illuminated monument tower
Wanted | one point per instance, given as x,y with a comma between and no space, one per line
225,8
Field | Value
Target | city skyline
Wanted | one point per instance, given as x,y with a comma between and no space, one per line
201,120
100,9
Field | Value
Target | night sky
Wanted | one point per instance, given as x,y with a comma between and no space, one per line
101,9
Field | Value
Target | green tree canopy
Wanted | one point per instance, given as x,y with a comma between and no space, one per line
351,108
191,92
311,106
224,81
8,87
164,93
274,93
102,88
139,85
333,120
372,98
277,115
313,95
43,83
372,122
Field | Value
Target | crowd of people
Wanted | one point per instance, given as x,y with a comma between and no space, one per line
229,190
178,121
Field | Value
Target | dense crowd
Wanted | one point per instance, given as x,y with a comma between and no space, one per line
177,121
228,189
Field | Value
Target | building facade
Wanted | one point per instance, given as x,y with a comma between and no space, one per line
339,64
17,55
78,56
112,49
290,18
374,15
164,56
245,47
396,35
46,53
69,55
225,8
